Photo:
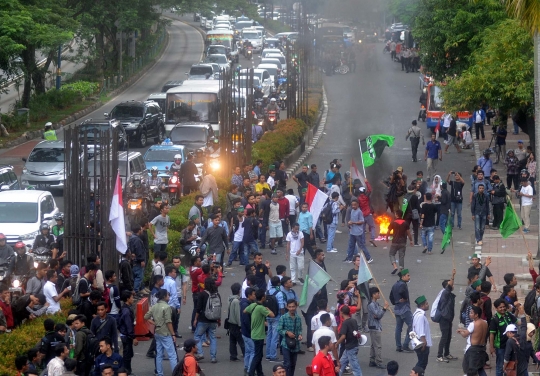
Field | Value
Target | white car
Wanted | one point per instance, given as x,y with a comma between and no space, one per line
264,78
218,59
273,70
267,51
22,212
255,37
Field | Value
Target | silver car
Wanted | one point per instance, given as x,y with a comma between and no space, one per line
44,167
219,59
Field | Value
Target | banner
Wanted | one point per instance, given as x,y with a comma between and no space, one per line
373,146
315,280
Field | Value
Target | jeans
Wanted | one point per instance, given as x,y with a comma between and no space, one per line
499,356
331,236
249,347
138,272
159,248
289,360
479,226
318,232
446,336
456,206
237,249
443,218
360,241
370,221
210,328
404,318
256,363
262,235
516,127
272,338
427,238
249,248
423,357
350,357
165,343
235,337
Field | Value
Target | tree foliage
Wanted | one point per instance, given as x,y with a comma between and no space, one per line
450,31
501,71
404,10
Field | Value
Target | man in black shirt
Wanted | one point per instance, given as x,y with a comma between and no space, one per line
188,170
363,288
456,195
349,335
281,176
427,222
301,179
444,209
400,230
482,270
313,176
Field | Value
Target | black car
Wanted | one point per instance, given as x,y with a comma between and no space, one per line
90,132
141,120
8,178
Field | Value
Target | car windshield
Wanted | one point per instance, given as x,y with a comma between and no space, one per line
18,212
181,135
242,81
160,155
94,168
243,24
192,107
200,71
347,29
250,35
219,59
215,50
271,61
93,131
276,56
47,155
127,112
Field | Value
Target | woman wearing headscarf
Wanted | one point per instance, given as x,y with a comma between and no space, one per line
436,192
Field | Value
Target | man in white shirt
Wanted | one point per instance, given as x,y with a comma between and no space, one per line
295,252
293,205
56,365
526,194
49,290
325,330
322,308
447,118
423,333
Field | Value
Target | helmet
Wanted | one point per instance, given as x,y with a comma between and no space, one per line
48,125
59,217
19,245
177,156
154,169
272,100
44,226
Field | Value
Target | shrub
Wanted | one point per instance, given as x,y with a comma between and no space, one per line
82,88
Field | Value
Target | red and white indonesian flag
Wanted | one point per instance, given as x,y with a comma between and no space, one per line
355,173
315,199
116,217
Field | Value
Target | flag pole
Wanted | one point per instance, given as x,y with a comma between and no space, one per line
376,283
362,159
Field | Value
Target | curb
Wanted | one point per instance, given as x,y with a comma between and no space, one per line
27,136
320,129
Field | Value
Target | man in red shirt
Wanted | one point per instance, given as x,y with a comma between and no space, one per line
284,204
322,364
364,194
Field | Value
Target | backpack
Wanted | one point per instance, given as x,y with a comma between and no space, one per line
326,214
179,369
212,311
91,347
530,301
271,303
76,297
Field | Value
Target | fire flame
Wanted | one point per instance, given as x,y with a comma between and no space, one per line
384,222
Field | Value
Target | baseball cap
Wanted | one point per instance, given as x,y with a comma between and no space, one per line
362,189
74,270
520,141
510,328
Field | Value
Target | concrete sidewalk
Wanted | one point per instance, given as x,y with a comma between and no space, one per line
509,255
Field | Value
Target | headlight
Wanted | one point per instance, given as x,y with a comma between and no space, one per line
61,172
16,283
29,236
24,170
215,165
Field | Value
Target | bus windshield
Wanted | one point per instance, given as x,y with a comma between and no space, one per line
219,39
182,107
435,100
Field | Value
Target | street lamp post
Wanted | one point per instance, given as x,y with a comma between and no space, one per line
58,69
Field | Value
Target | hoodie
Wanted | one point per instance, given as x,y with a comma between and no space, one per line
234,310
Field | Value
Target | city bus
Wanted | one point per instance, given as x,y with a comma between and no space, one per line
434,109
194,101
223,38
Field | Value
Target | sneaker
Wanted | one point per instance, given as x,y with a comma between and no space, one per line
301,352
526,230
399,349
310,349
177,335
407,350
442,360
349,261
345,261
274,252
151,355
425,250
417,245
300,283
323,240
213,360
333,250
234,360
338,232
370,260
301,280
199,357
373,243
451,357
372,364
394,271
273,360
381,366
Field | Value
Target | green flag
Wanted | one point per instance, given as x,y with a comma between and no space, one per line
315,280
404,206
447,238
373,146
364,274
511,221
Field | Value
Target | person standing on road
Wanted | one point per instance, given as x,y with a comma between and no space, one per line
400,230
479,117
305,221
456,196
414,134
399,297
432,153
475,351
451,137
135,244
446,311
421,327
444,207
235,333
364,194
204,325
526,194
480,213
295,252
159,227
376,313
485,163
427,222
258,313
290,325
188,171
498,200
497,327
301,179
245,326
501,142
332,227
349,335
393,50
446,120
357,237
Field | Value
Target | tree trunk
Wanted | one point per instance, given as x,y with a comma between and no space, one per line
39,74
100,61
537,111
29,62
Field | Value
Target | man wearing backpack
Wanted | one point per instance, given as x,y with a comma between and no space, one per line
245,326
104,325
207,318
258,313
49,340
83,287
276,302
85,346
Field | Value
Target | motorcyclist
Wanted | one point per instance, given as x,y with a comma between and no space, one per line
7,253
175,167
154,180
49,134
45,238
199,157
272,106
258,94
259,109
24,263
58,230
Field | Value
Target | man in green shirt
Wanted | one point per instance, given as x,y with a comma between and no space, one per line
258,314
160,316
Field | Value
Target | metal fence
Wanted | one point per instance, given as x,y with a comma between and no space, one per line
87,228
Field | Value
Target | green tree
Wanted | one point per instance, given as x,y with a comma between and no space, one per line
449,31
404,10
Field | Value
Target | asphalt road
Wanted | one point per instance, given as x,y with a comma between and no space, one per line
384,100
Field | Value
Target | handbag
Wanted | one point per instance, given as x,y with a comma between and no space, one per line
511,368
291,342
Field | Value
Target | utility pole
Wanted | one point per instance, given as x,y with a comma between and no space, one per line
58,69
